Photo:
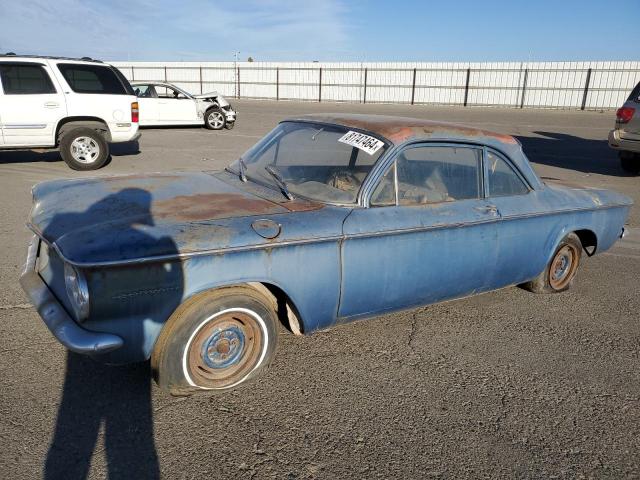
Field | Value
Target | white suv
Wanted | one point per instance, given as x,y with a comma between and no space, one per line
75,105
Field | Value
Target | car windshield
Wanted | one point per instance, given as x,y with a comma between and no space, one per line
321,162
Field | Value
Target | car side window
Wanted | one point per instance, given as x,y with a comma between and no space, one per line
93,79
433,174
502,180
25,79
142,91
168,92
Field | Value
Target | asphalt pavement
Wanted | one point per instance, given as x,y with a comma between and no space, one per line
502,385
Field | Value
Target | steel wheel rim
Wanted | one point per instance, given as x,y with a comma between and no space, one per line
216,119
225,349
563,267
85,150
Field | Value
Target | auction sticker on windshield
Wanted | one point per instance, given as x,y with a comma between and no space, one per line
364,142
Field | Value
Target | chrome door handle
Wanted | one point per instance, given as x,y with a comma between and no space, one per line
51,105
490,209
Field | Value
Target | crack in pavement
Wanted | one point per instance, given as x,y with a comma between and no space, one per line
24,306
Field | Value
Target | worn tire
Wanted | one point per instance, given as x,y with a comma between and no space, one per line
209,330
630,162
214,119
549,281
94,142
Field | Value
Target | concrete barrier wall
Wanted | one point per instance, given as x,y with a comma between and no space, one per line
569,85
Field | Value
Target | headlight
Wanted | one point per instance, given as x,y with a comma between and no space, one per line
77,291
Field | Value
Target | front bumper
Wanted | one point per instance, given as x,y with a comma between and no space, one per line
625,144
56,318
230,115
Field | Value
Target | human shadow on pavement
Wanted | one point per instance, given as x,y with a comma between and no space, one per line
116,399
45,155
572,153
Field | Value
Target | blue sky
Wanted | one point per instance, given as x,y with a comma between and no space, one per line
325,30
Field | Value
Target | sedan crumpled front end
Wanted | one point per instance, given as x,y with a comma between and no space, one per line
205,100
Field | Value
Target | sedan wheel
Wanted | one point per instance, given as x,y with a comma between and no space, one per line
216,340
563,267
225,348
214,119
561,270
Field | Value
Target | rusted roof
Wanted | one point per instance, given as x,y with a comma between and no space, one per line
400,129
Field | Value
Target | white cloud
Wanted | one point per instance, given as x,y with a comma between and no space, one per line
199,29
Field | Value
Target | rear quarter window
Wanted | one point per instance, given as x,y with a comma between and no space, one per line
96,79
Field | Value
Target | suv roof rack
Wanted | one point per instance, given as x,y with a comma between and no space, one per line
83,59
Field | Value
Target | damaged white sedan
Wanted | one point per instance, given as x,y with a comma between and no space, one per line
163,103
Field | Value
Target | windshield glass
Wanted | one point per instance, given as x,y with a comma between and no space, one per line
327,163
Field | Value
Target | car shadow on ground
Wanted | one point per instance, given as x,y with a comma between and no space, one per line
97,397
572,153
41,155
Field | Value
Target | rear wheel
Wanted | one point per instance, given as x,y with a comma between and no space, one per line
559,275
216,340
84,149
214,119
630,162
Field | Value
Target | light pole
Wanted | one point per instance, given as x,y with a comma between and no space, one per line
236,73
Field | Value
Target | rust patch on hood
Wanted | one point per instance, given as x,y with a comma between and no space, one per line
210,206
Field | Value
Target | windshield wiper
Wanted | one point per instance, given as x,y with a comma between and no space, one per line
279,180
241,170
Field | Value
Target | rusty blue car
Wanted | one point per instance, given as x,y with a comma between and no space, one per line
326,220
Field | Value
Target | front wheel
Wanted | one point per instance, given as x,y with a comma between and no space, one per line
214,119
216,340
84,149
560,273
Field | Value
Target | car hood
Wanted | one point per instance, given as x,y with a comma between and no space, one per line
124,218
207,95
213,95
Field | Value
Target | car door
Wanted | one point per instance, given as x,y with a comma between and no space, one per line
31,104
147,104
427,235
175,107
524,227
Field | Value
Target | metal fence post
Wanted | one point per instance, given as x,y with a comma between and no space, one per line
413,87
238,80
524,86
320,85
366,71
586,89
466,87
201,87
133,76
277,83
165,73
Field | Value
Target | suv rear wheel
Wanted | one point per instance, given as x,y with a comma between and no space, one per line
84,149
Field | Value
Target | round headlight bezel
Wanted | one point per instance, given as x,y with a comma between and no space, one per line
77,291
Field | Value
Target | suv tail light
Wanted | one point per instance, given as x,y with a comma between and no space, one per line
134,112
624,114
